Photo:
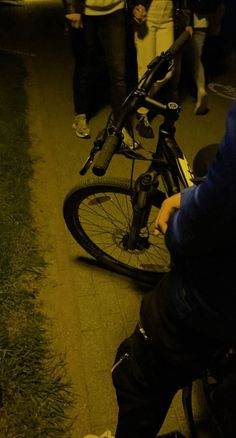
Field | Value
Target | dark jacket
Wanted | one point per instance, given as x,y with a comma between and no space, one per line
201,237
202,234
74,6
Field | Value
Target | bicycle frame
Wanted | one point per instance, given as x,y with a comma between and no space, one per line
167,161
112,218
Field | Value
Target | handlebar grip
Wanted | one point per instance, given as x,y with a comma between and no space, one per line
105,155
179,43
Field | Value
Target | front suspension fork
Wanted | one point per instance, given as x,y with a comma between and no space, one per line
145,196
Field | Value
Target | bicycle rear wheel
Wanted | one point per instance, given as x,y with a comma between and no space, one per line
99,213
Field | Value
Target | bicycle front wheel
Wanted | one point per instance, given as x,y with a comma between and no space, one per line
99,214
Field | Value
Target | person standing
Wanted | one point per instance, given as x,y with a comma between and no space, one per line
100,95
201,13
103,21
204,13
193,51
153,33
191,314
156,24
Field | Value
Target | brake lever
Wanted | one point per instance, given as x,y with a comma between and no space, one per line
97,146
89,161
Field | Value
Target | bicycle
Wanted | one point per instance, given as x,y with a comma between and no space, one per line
113,218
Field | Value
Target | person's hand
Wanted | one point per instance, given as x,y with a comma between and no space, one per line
75,20
139,14
168,208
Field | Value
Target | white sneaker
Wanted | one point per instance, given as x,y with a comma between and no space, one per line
129,142
80,126
106,434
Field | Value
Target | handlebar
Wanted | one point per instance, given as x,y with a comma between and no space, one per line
105,155
179,43
156,70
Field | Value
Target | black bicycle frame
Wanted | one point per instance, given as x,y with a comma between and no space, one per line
146,193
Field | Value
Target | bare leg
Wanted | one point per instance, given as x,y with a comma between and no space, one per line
196,45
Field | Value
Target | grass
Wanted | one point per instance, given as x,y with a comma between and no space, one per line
35,396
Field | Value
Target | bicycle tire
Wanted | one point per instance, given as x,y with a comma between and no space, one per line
97,215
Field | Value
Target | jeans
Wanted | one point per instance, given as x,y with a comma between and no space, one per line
163,356
88,102
107,32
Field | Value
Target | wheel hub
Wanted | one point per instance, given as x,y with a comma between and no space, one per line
141,244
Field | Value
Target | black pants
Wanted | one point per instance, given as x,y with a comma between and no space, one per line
150,367
100,34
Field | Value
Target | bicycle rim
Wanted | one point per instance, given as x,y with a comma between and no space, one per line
98,215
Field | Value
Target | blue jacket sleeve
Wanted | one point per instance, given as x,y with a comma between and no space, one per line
206,219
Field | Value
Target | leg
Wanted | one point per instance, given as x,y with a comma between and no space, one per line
112,35
143,403
149,370
80,63
164,34
86,53
164,39
196,47
145,42
154,37
81,83
84,44
175,80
